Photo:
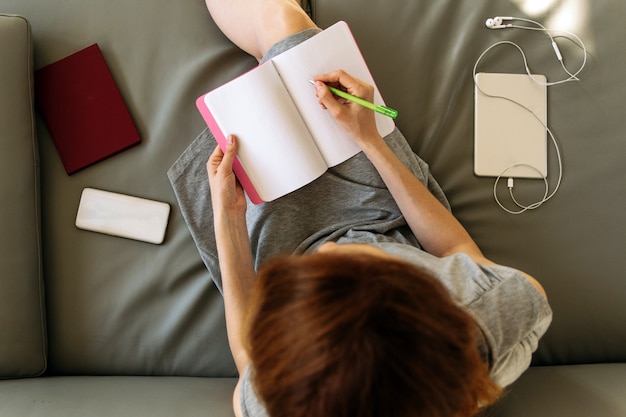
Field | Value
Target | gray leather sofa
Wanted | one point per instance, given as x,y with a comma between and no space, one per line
102,326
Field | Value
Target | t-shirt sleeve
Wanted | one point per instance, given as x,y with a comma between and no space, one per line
250,403
512,314
510,311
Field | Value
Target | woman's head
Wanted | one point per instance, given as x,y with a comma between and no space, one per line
358,334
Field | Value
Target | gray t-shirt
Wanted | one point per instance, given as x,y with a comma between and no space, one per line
511,313
350,203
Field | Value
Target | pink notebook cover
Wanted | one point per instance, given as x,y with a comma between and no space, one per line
220,137
83,109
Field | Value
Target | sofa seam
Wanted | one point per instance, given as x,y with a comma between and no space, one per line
37,198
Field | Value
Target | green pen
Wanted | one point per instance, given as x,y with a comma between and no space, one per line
387,111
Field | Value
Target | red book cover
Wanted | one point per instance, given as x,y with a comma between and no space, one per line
83,109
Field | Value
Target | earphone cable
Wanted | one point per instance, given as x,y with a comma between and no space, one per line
572,77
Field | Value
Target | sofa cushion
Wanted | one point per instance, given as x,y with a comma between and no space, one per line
23,341
566,390
117,396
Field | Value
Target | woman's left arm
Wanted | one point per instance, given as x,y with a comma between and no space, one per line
437,230
434,226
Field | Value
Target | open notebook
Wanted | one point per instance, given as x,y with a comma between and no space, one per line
286,140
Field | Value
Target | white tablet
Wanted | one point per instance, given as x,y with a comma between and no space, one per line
509,140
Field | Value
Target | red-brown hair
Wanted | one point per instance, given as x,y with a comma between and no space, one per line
336,335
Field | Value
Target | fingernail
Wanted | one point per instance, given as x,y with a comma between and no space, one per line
229,140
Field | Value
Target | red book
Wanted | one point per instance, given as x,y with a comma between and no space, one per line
83,109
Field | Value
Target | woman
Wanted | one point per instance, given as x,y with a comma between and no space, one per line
386,305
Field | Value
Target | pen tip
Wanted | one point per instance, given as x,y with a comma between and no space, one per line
312,82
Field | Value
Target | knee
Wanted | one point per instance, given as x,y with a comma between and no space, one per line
279,19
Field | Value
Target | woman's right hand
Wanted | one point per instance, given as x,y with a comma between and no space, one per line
356,120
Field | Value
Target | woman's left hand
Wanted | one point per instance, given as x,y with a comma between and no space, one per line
226,192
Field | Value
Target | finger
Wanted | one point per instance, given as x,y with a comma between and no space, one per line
341,78
214,160
217,154
230,152
326,98
333,77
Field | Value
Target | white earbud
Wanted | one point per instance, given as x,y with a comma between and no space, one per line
496,22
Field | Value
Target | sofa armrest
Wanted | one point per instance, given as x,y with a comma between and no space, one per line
22,319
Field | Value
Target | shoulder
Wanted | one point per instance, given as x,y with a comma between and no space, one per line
469,279
510,310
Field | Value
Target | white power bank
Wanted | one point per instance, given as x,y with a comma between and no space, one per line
508,139
122,215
